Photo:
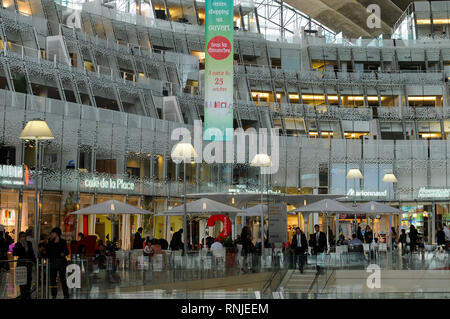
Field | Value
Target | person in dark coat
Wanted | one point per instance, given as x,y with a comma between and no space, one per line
247,247
317,241
56,254
440,237
368,235
177,243
23,249
413,236
359,234
4,265
299,245
138,240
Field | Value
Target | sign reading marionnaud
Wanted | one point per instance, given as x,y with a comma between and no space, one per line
219,59
433,192
351,192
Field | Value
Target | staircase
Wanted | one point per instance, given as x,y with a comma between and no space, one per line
296,282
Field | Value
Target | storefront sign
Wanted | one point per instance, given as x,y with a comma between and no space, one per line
351,192
13,175
108,183
433,192
219,69
277,223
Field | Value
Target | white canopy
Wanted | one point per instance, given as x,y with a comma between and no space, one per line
110,207
254,211
201,206
326,206
377,208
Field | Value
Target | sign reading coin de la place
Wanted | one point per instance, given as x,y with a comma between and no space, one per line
108,183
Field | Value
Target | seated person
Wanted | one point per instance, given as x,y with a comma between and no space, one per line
355,241
217,245
148,249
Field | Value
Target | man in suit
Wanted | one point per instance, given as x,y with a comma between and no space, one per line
23,249
299,246
138,241
317,241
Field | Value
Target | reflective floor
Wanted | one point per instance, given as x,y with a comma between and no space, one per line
418,275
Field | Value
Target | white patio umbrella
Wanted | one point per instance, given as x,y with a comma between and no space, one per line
112,207
379,208
327,205
201,206
254,211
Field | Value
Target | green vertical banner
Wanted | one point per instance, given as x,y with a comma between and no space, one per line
219,68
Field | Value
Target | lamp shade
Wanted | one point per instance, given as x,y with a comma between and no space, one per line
36,130
354,173
183,152
261,160
389,178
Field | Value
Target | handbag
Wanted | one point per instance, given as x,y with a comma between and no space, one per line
408,240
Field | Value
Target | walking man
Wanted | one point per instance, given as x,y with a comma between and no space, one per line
56,253
317,242
299,246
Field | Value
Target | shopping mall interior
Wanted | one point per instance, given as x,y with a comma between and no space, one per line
349,106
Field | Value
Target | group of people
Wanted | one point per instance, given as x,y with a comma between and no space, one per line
299,245
25,249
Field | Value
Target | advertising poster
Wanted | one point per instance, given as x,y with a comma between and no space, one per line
277,223
218,68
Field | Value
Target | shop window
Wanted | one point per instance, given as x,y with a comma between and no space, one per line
355,135
158,167
89,66
29,154
7,155
85,158
73,59
134,167
171,170
9,200
389,100
353,100
430,136
323,175
322,66
108,166
127,75
425,101
200,55
51,212
191,172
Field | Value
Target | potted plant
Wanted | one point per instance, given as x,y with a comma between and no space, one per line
230,248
